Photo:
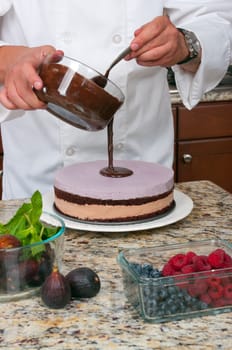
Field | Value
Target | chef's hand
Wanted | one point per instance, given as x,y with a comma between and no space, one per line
19,75
159,43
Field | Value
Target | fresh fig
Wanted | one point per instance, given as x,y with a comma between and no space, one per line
55,291
84,282
12,282
30,272
46,263
9,241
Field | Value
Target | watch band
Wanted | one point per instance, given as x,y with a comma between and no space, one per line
192,43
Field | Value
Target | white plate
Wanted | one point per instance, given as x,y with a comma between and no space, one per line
184,206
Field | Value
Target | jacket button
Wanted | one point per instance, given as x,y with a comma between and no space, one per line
70,151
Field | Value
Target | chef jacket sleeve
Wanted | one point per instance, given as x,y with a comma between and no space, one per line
5,114
4,8
211,21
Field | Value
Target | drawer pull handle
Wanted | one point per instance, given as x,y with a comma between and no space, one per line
187,158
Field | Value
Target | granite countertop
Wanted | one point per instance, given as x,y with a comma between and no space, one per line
222,92
105,322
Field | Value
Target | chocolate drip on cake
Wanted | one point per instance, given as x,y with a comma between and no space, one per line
112,171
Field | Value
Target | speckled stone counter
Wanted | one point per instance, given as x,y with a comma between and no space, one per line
221,93
105,322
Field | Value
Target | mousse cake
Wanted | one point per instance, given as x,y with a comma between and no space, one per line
83,193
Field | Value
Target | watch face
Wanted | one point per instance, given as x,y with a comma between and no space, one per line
197,46
192,43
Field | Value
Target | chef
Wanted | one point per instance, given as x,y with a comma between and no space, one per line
190,36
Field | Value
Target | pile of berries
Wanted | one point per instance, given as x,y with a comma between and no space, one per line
195,283
159,299
204,281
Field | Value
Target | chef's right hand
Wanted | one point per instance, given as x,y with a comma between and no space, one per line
20,77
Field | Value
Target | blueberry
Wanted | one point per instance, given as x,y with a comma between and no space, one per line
161,297
145,270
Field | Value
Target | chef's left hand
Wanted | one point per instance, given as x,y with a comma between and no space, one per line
158,43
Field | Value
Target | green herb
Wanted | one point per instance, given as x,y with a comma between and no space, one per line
26,224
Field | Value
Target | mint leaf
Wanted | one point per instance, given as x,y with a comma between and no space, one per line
37,204
26,224
17,221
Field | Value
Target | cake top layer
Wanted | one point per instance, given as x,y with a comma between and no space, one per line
84,179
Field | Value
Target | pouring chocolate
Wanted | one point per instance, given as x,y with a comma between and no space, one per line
72,95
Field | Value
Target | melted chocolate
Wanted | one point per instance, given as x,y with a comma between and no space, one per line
83,103
100,80
112,171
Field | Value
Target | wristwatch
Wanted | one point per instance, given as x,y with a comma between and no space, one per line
192,43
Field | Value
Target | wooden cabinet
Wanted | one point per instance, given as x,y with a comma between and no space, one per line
203,143
174,112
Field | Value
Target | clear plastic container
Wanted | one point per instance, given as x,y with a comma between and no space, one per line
180,295
24,269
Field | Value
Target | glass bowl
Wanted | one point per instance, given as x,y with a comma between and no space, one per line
178,295
72,94
24,269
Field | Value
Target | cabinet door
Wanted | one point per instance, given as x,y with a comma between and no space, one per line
207,120
206,160
174,113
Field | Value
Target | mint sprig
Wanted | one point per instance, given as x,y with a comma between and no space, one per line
26,224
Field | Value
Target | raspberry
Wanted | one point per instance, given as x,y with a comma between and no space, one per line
228,302
228,291
178,261
205,298
201,263
226,280
181,281
168,270
219,302
192,290
188,268
197,288
212,281
215,291
227,261
189,257
216,258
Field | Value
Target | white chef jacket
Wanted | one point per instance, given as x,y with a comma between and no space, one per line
37,143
